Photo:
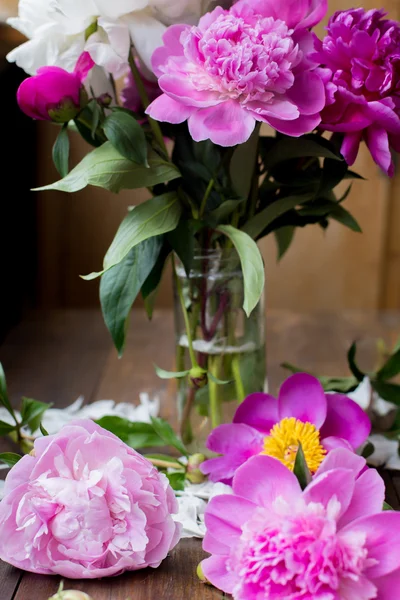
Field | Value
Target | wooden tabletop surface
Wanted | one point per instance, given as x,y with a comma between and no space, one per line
58,356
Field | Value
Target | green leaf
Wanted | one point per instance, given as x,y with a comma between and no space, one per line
301,469
339,384
255,226
32,412
96,115
10,458
343,216
61,151
252,265
289,148
387,391
127,136
182,241
391,368
165,431
243,163
154,217
120,286
135,435
351,358
368,450
177,481
43,431
224,211
162,374
6,428
150,286
332,174
387,506
105,167
218,381
284,237
3,393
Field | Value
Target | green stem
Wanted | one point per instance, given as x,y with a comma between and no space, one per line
164,464
185,315
240,392
213,389
145,101
206,197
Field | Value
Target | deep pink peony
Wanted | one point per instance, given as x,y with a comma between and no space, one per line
86,506
239,67
330,542
361,67
303,413
54,94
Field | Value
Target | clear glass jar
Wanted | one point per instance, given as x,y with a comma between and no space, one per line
227,344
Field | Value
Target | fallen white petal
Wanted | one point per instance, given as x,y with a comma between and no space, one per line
2,483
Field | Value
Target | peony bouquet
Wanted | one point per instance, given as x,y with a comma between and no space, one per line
239,121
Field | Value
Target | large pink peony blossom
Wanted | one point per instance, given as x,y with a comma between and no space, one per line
54,94
239,67
331,541
361,67
86,506
303,413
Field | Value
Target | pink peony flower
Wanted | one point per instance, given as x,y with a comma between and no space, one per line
302,413
53,94
361,67
239,67
331,541
86,506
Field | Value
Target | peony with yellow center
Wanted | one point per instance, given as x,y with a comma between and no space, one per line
285,438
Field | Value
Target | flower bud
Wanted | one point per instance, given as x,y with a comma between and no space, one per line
198,378
200,574
54,94
104,100
70,595
193,473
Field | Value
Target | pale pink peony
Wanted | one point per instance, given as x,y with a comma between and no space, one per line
271,540
239,67
86,506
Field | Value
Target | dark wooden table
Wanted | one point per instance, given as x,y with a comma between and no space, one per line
57,356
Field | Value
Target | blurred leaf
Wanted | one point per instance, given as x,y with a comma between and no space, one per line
182,241
391,368
353,175
339,384
332,174
387,391
218,381
306,146
162,374
127,136
343,216
61,151
96,115
6,428
166,433
43,431
152,218
256,225
10,458
105,167
284,237
32,412
150,286
252,265
85,123
135,435
368,450
177,481
120,286
301,469
387,506
3,393
351,359
221,214
243,163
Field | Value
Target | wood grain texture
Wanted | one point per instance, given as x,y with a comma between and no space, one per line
55,356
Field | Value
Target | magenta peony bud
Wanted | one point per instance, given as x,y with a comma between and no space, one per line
54,94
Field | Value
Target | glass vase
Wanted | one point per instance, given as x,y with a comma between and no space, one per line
227,343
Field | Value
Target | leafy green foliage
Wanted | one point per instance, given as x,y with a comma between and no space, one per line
32,412
6,428
135,435
121,285
252,265
167,434
10,458
284,237
177,481
105,167
162,374
4,394
351,358
391,368
127,136
61,151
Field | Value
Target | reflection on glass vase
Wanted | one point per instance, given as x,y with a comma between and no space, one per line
226,343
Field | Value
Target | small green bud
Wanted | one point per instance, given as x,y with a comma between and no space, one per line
198,378
193,473
104,100
70,595
200,574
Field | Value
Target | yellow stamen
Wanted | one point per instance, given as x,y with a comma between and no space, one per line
284,439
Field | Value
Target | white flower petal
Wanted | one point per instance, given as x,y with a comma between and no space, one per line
146,34
109,47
